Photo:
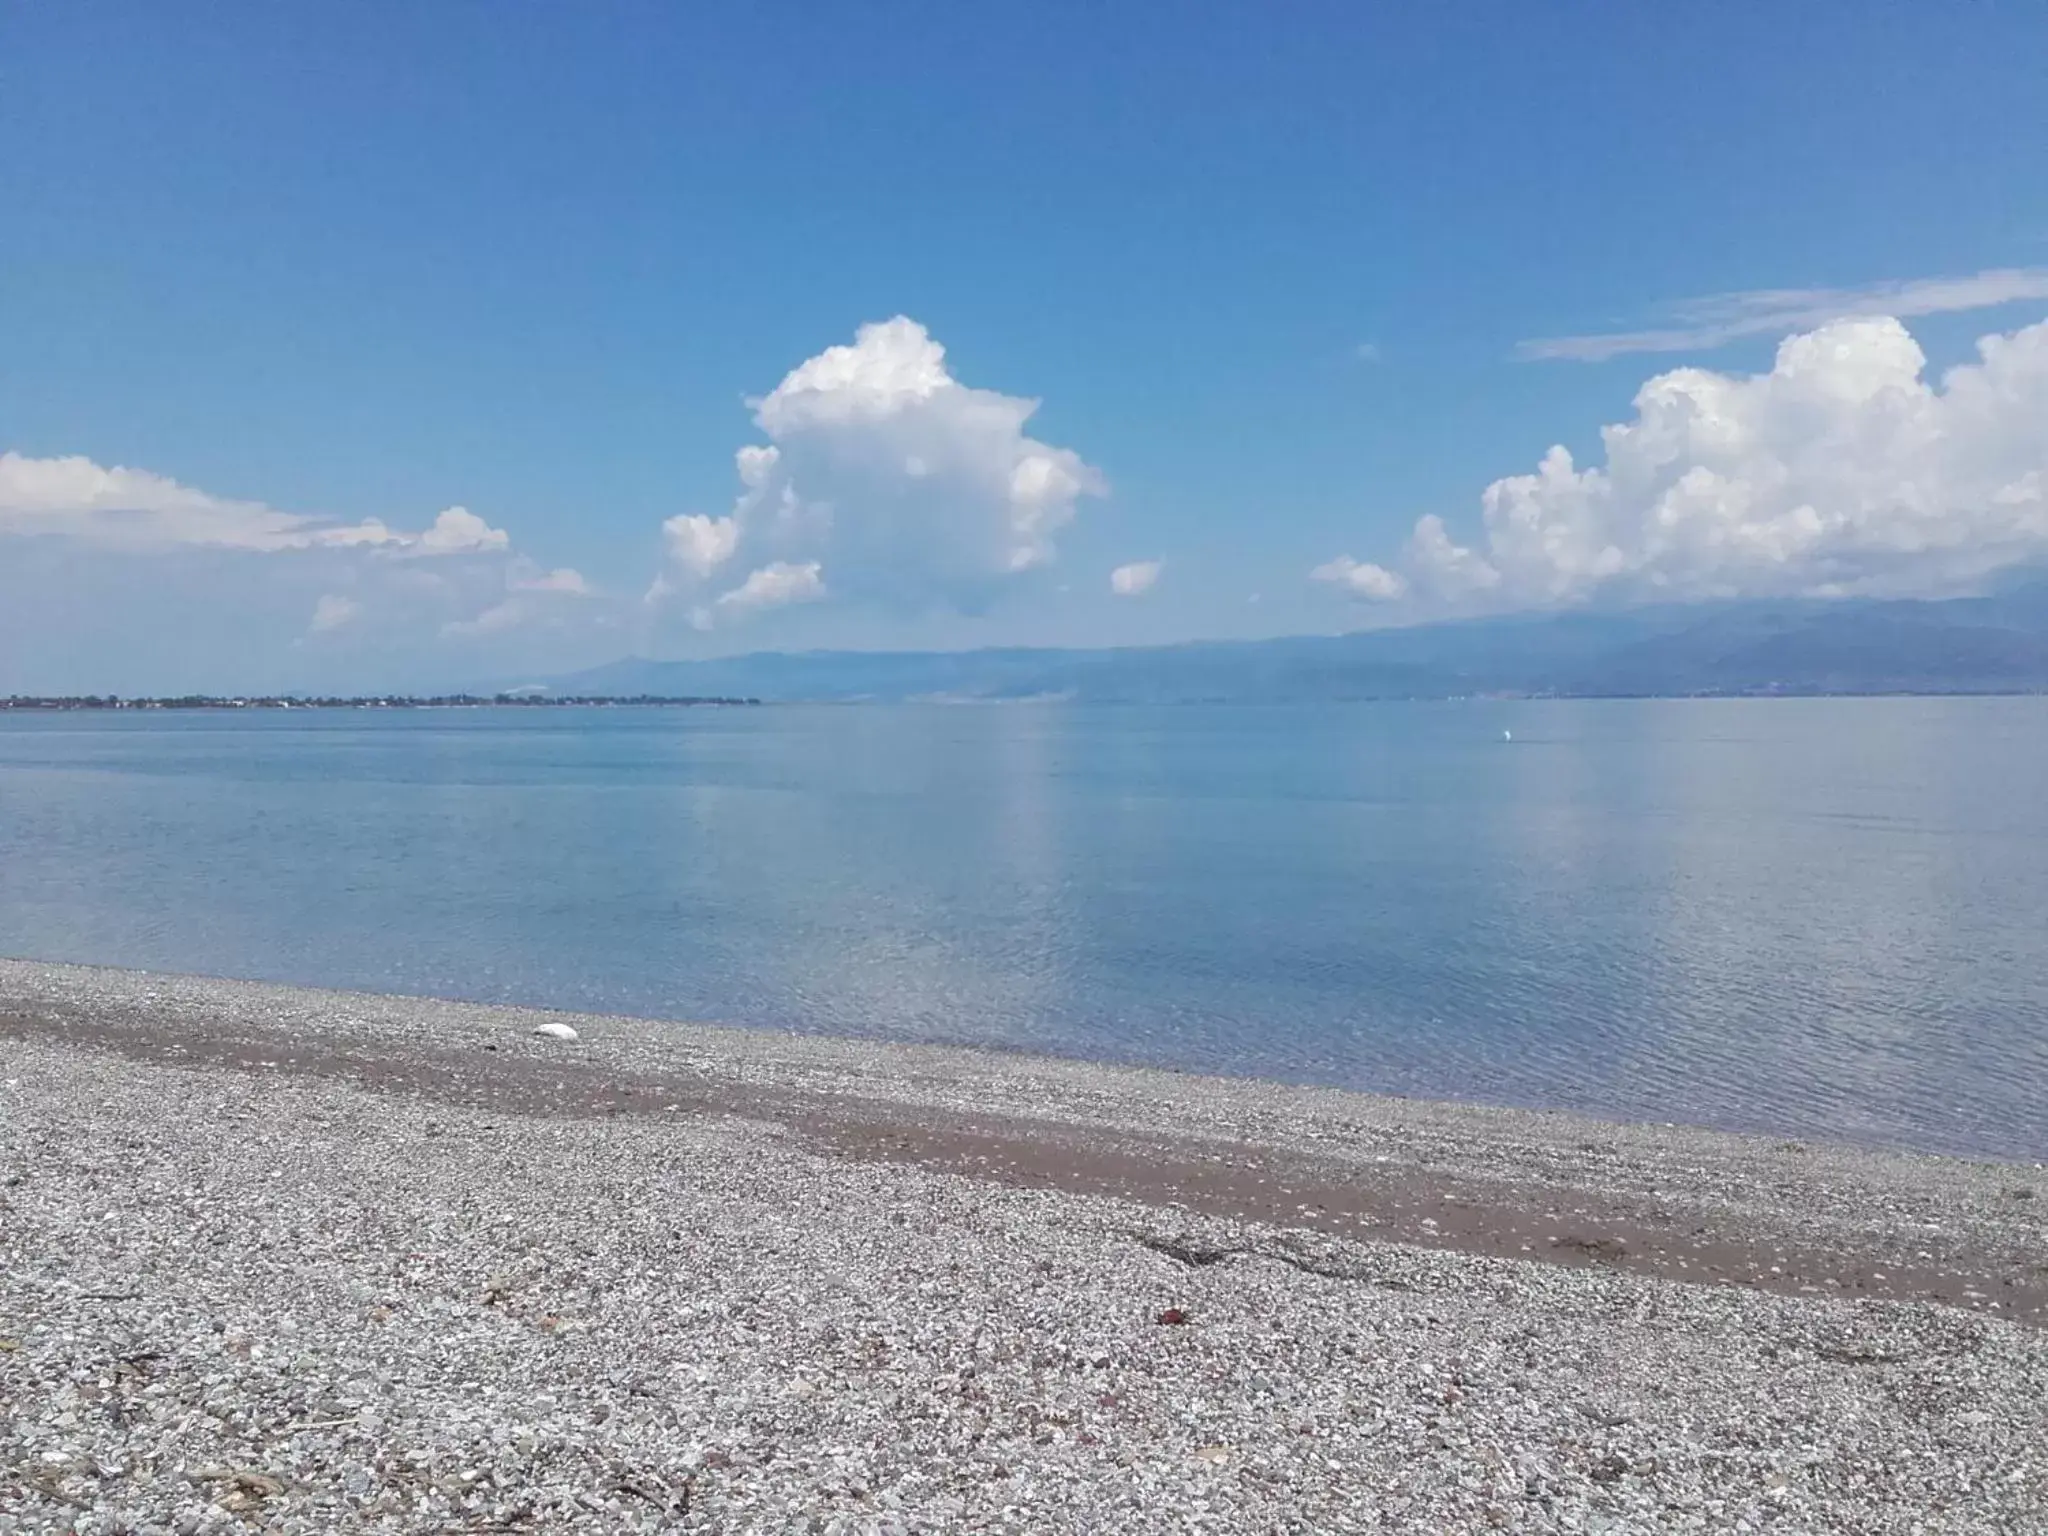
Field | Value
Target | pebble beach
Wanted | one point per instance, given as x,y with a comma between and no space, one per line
280,1259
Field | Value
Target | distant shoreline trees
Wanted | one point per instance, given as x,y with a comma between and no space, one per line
367,701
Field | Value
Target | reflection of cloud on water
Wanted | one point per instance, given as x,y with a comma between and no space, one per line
909,887
1763,913
1563,896
1811,914
1808,963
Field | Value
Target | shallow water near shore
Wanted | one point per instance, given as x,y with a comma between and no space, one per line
1821,918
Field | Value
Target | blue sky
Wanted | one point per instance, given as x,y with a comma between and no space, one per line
1273,276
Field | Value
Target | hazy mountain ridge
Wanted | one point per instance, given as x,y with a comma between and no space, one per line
1993,644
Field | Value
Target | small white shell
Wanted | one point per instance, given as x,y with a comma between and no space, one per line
555,1031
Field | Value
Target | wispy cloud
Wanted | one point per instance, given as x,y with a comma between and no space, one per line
133,509
332,612
1697,324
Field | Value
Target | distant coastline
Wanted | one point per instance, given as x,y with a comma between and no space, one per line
1794,648
368,701
1989,646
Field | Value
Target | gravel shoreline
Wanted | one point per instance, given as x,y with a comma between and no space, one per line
321,1262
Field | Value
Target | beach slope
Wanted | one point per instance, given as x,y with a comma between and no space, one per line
327,1262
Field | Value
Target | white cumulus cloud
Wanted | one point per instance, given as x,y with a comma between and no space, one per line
226,587
915,490
1135,579
120,508
532,595
73,497
700,544
561,579
1842,470
1361,577
459,531
775,585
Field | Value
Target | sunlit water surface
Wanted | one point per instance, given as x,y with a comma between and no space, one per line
1814,917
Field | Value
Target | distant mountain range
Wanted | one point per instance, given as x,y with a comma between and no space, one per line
1995,644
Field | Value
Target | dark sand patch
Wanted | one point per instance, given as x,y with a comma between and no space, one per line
1557,1222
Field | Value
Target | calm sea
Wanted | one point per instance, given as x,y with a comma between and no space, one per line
1814,917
